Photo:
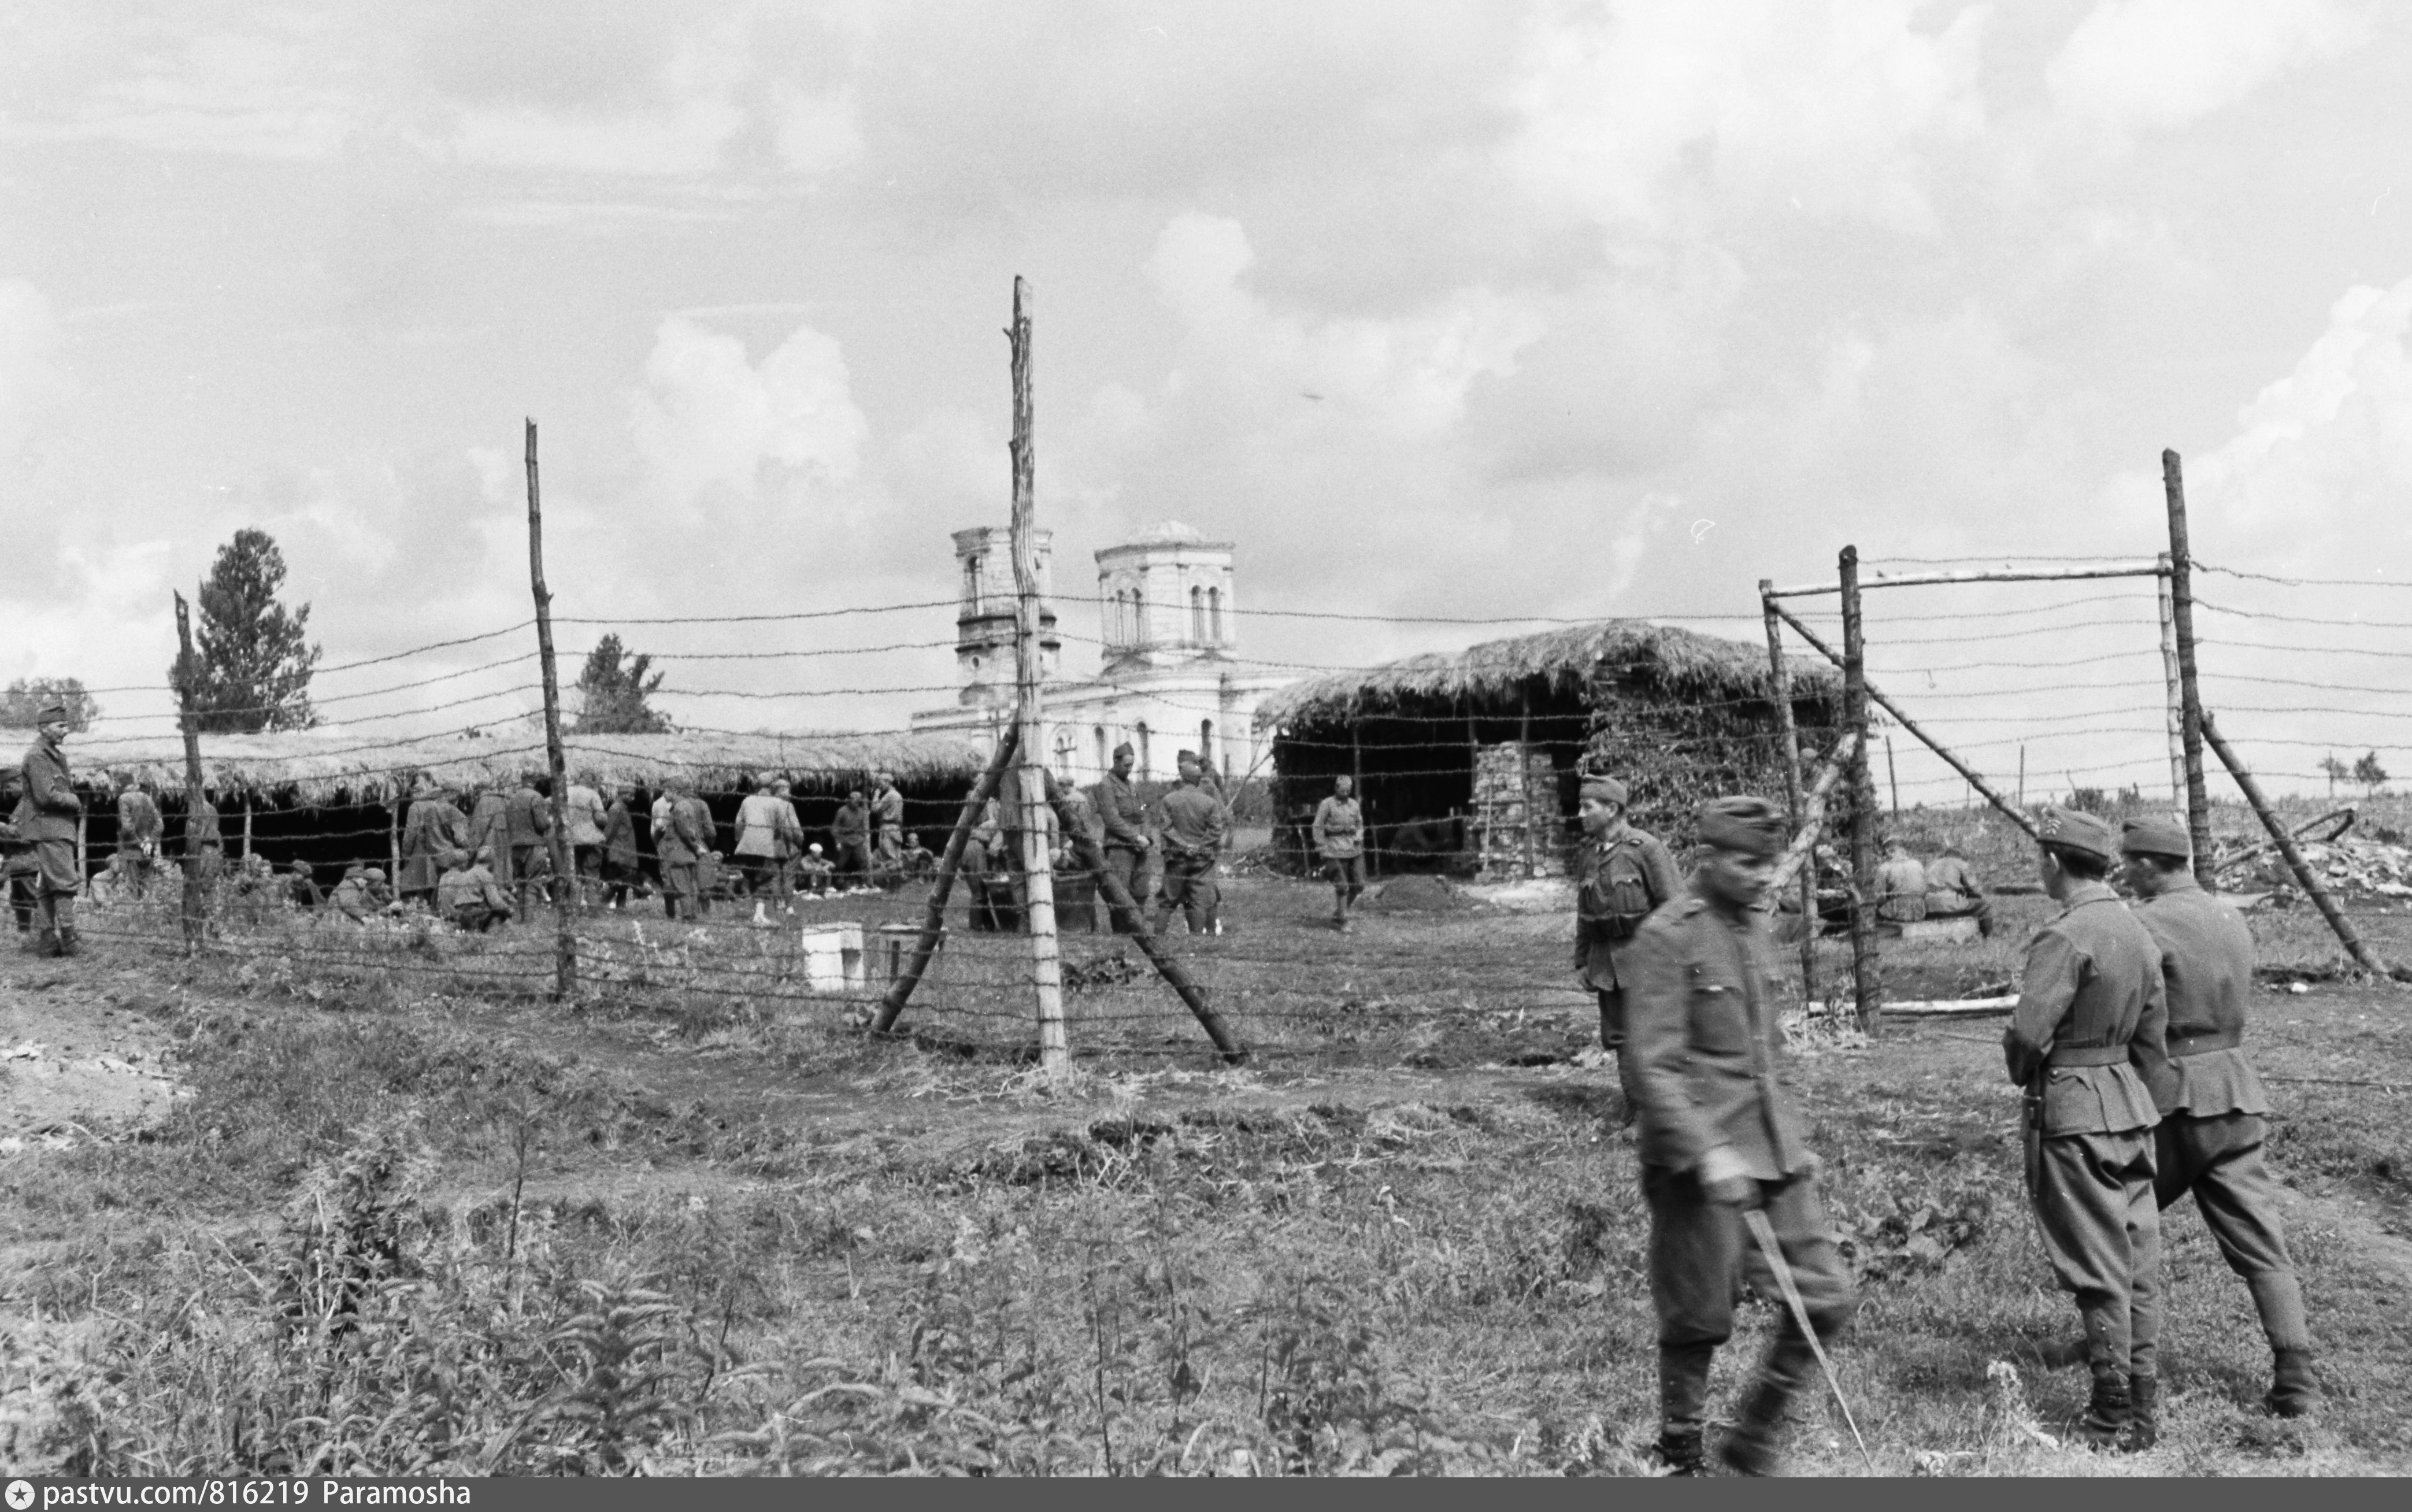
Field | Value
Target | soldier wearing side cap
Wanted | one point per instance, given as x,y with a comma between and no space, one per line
48,809
2212,1110
1719,1132
2086,1040
1622,874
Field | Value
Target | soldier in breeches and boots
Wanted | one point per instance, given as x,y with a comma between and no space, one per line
46,811
1621,874
1193,841
1128,842
2212,1110
1339,839
1719,1133
2086,1041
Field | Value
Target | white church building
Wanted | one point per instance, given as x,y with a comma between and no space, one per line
1165,678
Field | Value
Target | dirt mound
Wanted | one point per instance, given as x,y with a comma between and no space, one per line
1420,895
72,1066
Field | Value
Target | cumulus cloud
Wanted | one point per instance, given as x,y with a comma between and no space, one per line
2135,65
708,419
1631,112
2320,468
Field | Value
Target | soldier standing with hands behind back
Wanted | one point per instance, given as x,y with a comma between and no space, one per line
1720,1133
1339,839
2212,1110
2085,1040
46,817
1623,873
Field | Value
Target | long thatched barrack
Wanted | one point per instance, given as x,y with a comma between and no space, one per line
313,767
1678,662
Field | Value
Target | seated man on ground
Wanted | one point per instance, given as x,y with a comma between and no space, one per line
814,871
1952,890
351,899
468,896
1901,885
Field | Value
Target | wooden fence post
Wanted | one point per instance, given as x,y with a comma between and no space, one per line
2181,581
194,913
1038,863
1867,982
564,881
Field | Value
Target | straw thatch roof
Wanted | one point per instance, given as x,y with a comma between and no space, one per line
315,765
1657,656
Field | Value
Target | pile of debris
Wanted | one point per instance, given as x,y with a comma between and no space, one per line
2367,870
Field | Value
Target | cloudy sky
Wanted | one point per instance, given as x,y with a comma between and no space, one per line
1473,310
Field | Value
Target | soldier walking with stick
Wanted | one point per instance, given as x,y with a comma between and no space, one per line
1723,1146
2084,1041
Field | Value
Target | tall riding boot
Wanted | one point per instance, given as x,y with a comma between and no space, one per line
2144,1409
2294,1390
63,911
2108,1412
1750,1448
47,943
1682,1401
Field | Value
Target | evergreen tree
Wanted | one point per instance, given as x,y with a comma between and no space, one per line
255,655
612,688
21,702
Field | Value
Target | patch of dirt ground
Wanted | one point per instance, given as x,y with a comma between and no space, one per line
74,1063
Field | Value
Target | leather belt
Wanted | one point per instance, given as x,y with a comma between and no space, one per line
2089,1055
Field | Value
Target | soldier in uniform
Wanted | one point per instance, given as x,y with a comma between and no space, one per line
2086,1040
1901,885
1193,838
468,894
1622,874
888,828
432,828
1952,890
527,822
1126,838
2212,1109
139,829
1719,1133
18,869
1340,840
47,810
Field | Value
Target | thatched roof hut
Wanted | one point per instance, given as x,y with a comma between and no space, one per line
1448,748
330,797
313,767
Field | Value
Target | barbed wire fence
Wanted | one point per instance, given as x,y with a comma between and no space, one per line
827,952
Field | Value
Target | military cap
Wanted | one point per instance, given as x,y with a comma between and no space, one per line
1604,790
302,868
2074,829
376,874
1186,756
1124,750
356,869
1753,825
2157,834
52,713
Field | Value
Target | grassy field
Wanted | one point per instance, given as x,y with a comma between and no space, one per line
406,1215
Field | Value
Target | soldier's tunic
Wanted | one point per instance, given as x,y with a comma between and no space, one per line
139,829
2084,1039
2212,1107
1619,878
433,830
469,897
1700,1070
1193,838
1952,892
490,827
527,820
1125,818
46,811
1340,840
1901,890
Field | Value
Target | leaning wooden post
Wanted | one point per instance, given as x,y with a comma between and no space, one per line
1813,816
1780,678
1038,864
195,917
2181,581
1867,983
2016,813
564,937
934,919
2304,877
1169,966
